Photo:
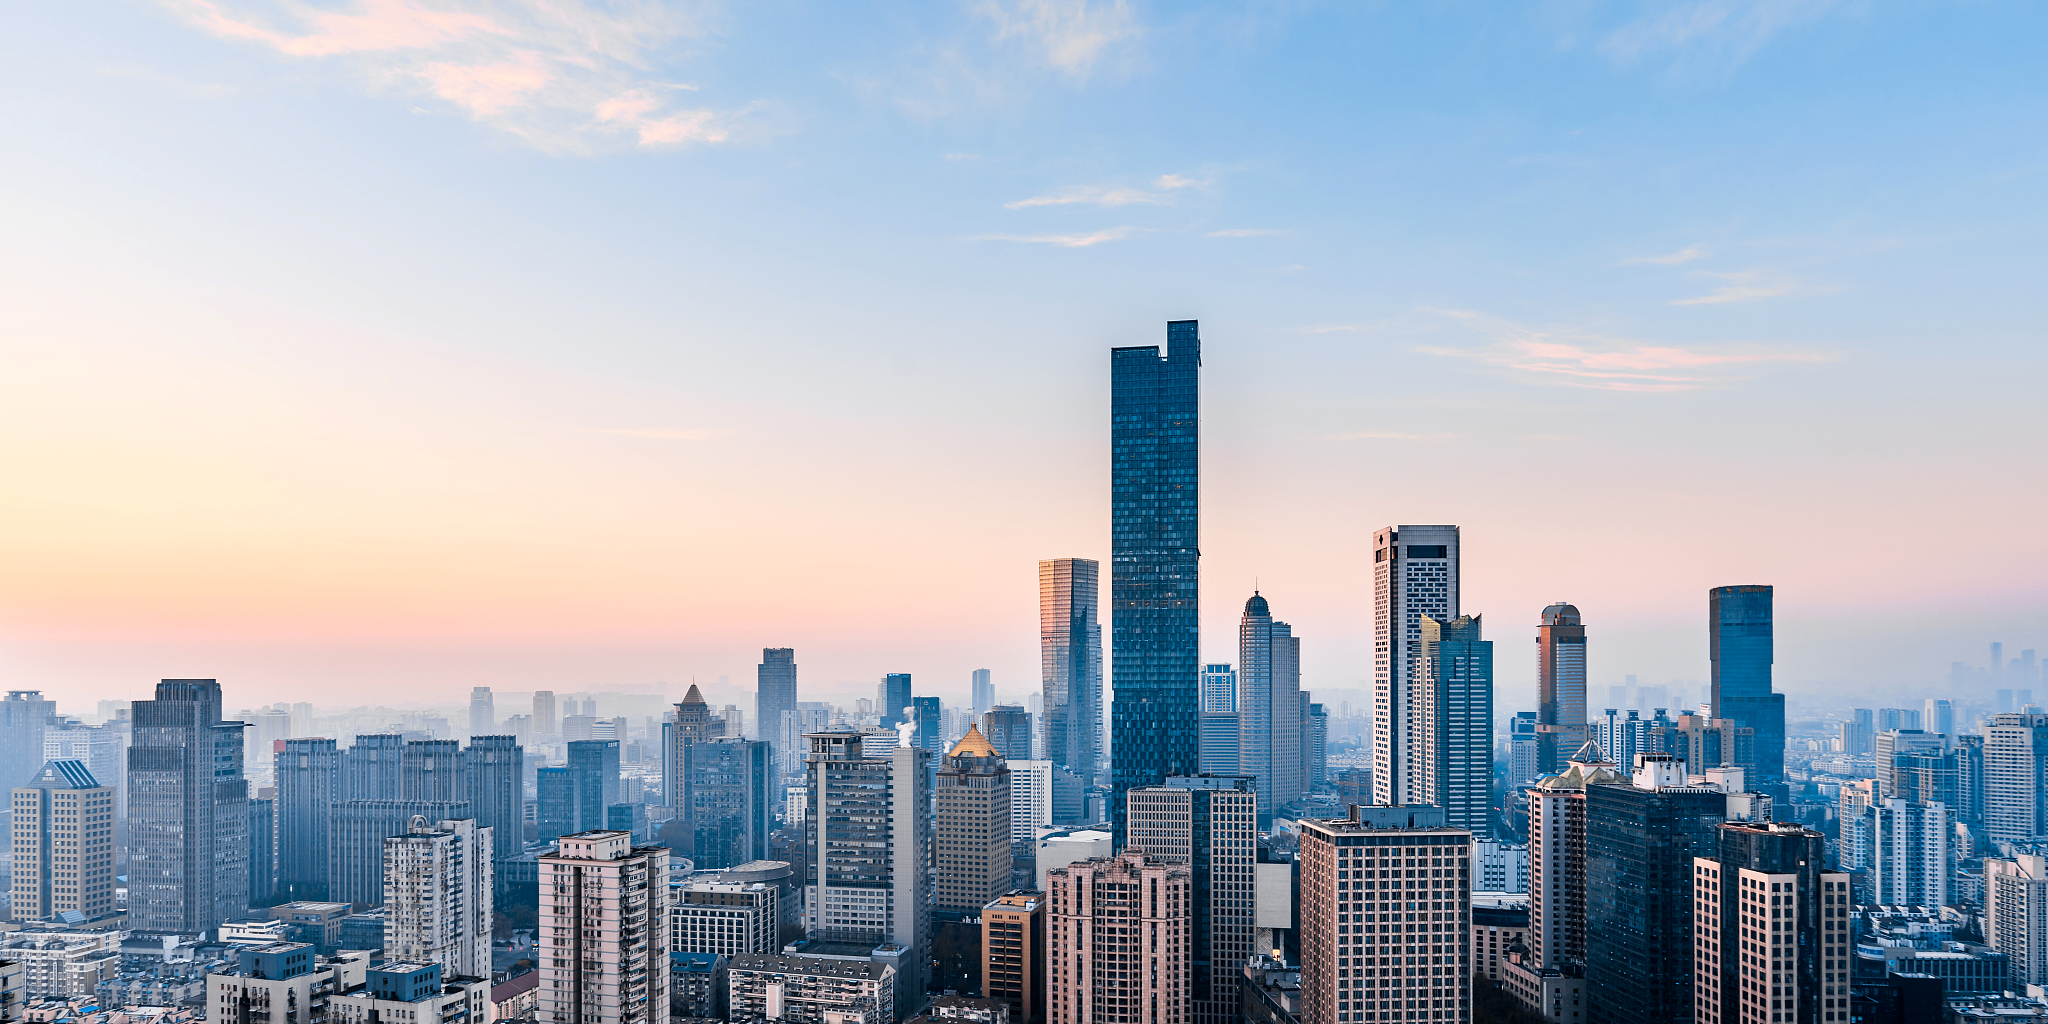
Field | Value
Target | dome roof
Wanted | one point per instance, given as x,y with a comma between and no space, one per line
1560,614
974,744
1256,606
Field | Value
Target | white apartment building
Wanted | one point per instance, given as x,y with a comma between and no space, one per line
724,918
413,992
64,965
2016,915
438,896
602,941
1030,799
1909,844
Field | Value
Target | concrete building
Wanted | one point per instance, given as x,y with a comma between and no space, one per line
2016,778
1119,942
698,983
356,833
1210,824
1640,843
63,863
188,812
1031,793
726,918
1453,723
1500,867
439,890
1066,846
729,786
282,983
869,874
1219,739
1557,857
811,989
1013,953
2016,915
1219,689
971,849
317,923
1385,921
1272,991
1909,842
413,992
63,965
1268,708
483,712
1415,573
1771,944
602,942
1552,993
1498,928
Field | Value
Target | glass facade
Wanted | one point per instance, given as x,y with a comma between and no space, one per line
1560,688
1456,690
1155,549
1070,661
1741,644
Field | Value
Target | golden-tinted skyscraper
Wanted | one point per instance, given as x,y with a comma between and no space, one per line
1560,687
972,849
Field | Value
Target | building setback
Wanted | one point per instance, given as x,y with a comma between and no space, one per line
1454,722
1385,928
1557,856
188,812
1119,943
1771,942
1268,708
1561,686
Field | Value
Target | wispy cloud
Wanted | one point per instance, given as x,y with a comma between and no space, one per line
1685,255
1389,435
1710,34
1245,232
665,434
1742,286
1081,241
1159,194
566,76
1583,359
1069,35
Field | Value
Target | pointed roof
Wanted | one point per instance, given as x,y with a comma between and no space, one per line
63,773
693,697
1589,754
974,744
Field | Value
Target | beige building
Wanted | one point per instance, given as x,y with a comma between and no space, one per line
413,992
283,983
64,965
972,845
1556,993
1121,930
1557,856
1209,823
1013,953
2016,915
602,940
438,892
63,844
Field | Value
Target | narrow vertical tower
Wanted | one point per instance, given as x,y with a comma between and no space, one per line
1414,573
483,712
1210,824
775,693
1741,643
973,854
495,795
308,781
1560,686
604,926
438,895
1155,547
1772,943
1269,707
188,812
1454,694
1070,661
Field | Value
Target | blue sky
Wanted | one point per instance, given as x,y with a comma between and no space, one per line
438,344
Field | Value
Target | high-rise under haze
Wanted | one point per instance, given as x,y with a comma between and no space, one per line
63,856
1269,707
1560,687
188,812
1740,644
1155,552
483,712
308,776
775,693
984,695
1414,573
1454,709
1070,662
892,695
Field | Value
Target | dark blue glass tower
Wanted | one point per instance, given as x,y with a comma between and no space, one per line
1741,645
1155,540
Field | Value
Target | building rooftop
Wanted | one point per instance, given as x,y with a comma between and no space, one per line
784,963
974,744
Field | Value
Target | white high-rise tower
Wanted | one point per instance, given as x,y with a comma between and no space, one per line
1414,573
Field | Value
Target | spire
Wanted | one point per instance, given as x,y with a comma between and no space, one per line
693,697
974,744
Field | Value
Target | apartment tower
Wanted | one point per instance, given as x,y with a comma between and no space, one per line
1560,686
1211,825
603,932
1013,961
2016,915
1070,662
1155,553
1269,707
1119,943
439,885
1557,856
1414,573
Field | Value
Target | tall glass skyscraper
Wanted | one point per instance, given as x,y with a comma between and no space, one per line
1269,707
1155,550
775,693
1070,662
891,697
1741,644
1560,688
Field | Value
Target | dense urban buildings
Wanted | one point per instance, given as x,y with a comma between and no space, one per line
2016,915
1210,824
602,941
1008,729
723,917
1415,573
775,693
868,876
1119,944
1453,690
188,812
811,990
1013,953
1641,840
1741,648
439,890
2016,777
1070,662
1771,939
63,835
971,849
1155,553
1560,686
1268,743
1385,917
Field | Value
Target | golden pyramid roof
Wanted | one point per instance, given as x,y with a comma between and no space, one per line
974,744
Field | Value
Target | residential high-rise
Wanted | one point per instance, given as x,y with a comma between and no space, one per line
356,832
483,713
813,990
1118,950
972,844
308,773
2016,778
1414,573
1013,952
1560,686
544,721
603,937
262,850
1741,645
984,691
2016,915
1070,662
495,793
1640,843
868,863
1219,689
1210,824
433,770
1557,856
1909,845
188,812
1373,949
1269,707
1155,554
439,886
63,844
1008,728
728,803
775,693
1453,702
1771,941
892,695
1858,732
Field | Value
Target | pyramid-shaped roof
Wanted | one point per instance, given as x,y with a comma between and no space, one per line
974,744
693,697
1590,753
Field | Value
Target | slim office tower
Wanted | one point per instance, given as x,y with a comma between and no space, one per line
972,847
496,796
2016,778
1414,573
774,692
1453,704
892,696
356,833
1385,921
544,721
1118,953
63,844
929,715
1740,642
984,691
483,715
1315,749
1771,943
868,866
576,797
433,770
728,805
1268,707
1909,850
2016,915
439,886
1070,662
1013,954
1008,728
188,813
603,935
1217,752
262,851
1560,685
1557,856
1211,825
1219,689
1155,553
1640,843
308,773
